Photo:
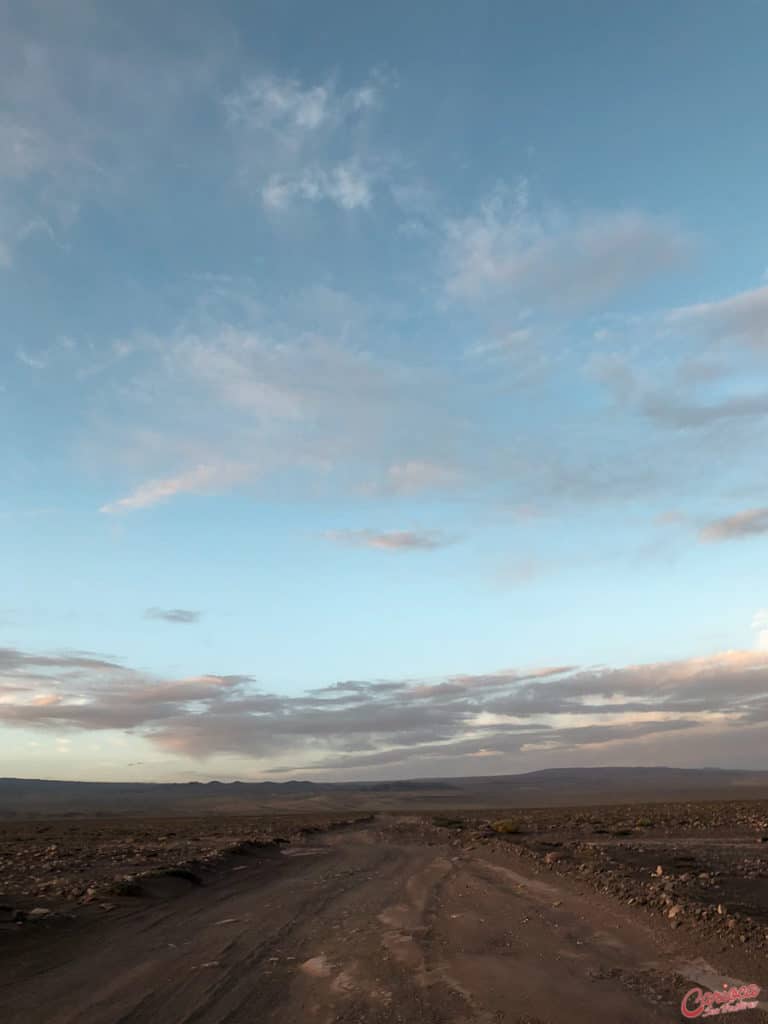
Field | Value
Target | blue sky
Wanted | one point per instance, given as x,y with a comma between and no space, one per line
417,350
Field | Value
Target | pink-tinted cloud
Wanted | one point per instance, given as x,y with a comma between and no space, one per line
528,716
203,479
752,522
392,540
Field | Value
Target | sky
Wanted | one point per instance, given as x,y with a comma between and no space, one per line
382,388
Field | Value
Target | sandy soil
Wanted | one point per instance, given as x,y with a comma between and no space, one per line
392,921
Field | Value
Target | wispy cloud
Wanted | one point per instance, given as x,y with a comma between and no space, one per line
392,540
751,522
552,260
673,412
34,362
414,476
177,615
347,185
290,141
230,406
57,153
298,142
203,479
675,403
509,345
742,318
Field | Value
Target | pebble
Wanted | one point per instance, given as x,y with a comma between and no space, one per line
38,913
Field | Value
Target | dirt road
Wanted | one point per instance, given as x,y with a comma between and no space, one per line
367,926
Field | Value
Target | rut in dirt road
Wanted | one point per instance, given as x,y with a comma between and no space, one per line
373,925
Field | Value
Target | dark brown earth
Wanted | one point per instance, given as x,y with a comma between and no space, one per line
396,920
61,862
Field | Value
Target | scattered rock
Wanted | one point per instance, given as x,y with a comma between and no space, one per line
39,913
127,886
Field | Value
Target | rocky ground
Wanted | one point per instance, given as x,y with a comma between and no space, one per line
703,866
55,866
519,917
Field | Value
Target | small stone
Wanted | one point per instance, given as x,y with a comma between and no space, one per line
38,913
674,912
659,870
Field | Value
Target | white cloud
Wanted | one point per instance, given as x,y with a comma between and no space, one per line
366,96
553,260
280,104
34,362
347,185
80,123
291,110
742,318
350,187
299,143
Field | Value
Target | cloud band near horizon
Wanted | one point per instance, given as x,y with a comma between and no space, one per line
504,720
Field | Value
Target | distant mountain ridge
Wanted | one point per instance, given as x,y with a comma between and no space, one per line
544,787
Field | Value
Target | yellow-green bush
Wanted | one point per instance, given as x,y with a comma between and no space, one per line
506,826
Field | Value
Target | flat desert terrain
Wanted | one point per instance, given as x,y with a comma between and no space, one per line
543,916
